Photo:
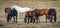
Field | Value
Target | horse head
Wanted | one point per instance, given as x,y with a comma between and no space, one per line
7,11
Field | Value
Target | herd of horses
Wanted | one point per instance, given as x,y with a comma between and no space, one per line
31,16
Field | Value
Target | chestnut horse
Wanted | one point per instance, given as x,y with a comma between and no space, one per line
29,17
9,13
40,12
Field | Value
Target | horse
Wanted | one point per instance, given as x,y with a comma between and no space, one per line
29,16
9,13
41,12
21,9
52,13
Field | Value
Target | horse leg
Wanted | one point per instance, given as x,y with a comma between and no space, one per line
33,19
46,17
51,18
14,18
37,19
8,18
25,19
28,19
54,18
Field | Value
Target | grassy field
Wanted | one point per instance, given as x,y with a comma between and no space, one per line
32,4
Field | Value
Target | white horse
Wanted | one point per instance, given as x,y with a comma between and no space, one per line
21,9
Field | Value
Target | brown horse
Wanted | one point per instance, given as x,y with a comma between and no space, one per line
40,12
29,16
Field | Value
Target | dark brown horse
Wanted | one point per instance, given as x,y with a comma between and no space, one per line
40,12
29,17
9,13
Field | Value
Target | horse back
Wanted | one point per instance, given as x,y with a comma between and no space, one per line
42,12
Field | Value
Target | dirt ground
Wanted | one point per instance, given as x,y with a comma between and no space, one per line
32,4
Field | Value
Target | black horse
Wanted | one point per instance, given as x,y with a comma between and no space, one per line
52,13
11,13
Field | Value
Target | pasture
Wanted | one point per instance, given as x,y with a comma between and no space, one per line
32,4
